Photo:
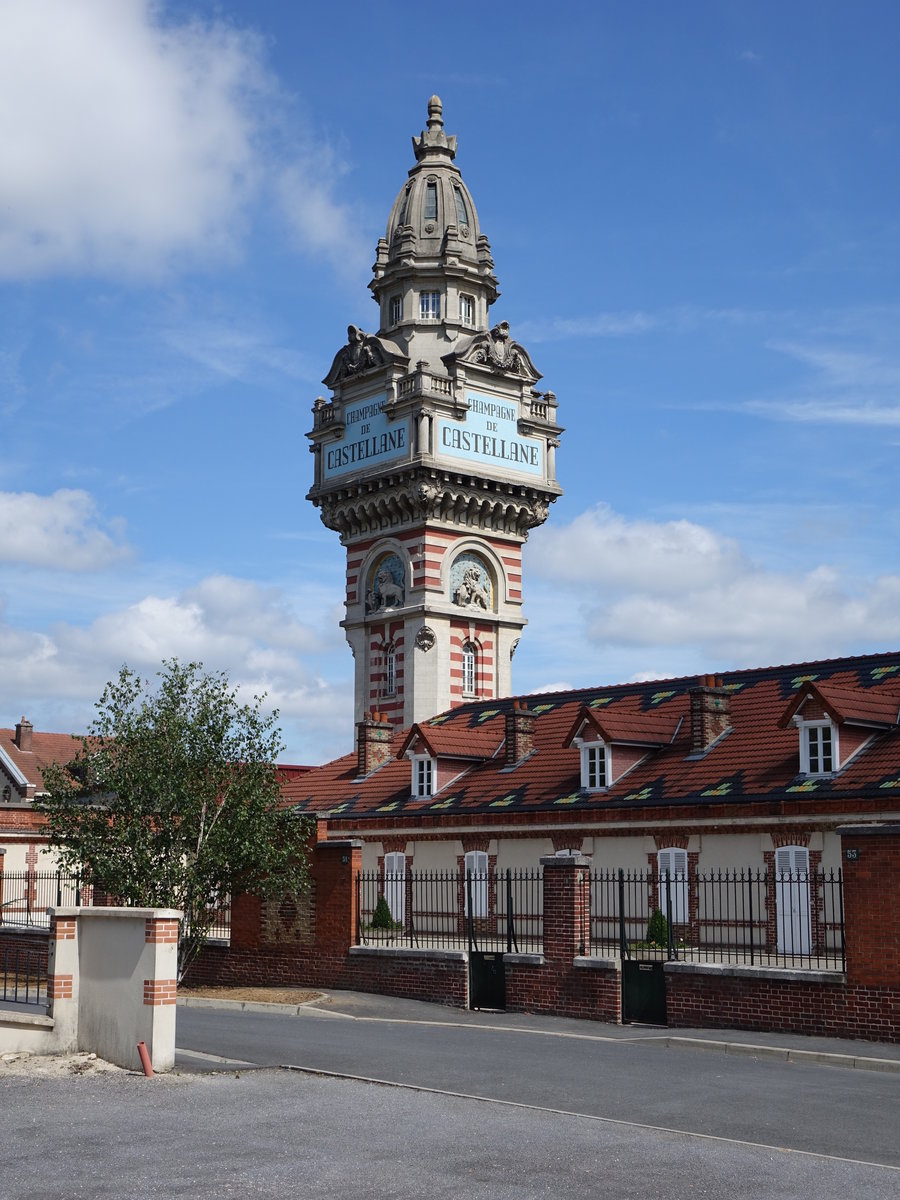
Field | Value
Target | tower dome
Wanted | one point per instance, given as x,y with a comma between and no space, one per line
433,246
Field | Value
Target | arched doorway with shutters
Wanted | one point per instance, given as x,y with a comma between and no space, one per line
395,885
792,899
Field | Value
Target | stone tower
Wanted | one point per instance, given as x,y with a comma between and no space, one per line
433,458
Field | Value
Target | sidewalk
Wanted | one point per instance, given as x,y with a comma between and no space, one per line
365,1006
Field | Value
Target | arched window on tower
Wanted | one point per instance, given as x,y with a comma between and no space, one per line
469,670
461,215
431,202
390,671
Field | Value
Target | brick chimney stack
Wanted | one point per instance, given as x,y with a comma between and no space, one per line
710,712
519,732
373,742
24,730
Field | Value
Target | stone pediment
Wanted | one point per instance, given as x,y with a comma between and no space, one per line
363,352
498,352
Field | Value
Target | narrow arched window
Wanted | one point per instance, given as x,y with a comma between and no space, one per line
461,215
431,202
469,673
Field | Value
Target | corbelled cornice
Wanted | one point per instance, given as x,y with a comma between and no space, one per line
409,498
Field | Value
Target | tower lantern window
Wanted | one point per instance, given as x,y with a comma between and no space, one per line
431,202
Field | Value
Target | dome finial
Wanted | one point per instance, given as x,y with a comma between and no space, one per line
434,143
435,111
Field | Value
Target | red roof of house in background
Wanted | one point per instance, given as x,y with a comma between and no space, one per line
46,748
756,761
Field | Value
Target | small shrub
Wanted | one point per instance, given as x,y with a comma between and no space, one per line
657,929
381,917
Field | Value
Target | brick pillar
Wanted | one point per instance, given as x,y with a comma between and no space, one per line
2,853
63,978
871,869
334,870
567,907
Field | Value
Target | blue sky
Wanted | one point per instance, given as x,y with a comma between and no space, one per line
694,215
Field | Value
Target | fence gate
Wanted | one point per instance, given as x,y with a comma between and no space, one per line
643,977
487,969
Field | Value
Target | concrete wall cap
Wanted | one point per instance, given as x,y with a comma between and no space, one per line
525,960
732,971
590,963
885,830
159,914
407,952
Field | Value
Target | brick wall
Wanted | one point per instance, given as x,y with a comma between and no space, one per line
786,1003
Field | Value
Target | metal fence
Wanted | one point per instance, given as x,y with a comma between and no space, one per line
23,976
763,917
491,910
27,896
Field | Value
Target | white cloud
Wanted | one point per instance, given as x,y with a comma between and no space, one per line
600,546
134,144
319,223
61,531
252,633
126,139
656,593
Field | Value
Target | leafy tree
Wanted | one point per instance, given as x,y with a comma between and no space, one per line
173,800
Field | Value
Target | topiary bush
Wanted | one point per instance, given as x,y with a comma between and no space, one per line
657,929
381,917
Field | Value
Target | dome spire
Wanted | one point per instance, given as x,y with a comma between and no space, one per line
433,144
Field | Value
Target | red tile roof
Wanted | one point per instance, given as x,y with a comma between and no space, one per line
46,748
640,729
757,761
453,741
853,705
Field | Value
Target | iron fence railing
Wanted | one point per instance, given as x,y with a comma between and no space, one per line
490,910
23,975
762,917
27,896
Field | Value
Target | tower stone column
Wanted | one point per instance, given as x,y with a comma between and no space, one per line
434,457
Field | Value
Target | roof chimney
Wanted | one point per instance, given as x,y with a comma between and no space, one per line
373,742
24,730
519,732
710,712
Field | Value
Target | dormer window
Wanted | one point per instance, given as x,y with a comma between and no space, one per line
430,306
818,748
594,766
422,776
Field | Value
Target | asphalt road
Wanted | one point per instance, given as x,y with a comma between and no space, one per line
575,1068
542,1109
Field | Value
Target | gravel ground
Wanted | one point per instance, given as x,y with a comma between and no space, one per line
263,995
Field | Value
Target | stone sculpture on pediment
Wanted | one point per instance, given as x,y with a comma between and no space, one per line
498,351
362,352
